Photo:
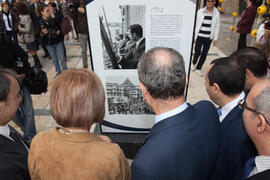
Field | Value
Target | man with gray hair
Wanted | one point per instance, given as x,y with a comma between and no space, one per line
257,123
183,143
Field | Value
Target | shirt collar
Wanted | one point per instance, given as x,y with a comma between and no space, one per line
170,113
262,163
228,107
5,131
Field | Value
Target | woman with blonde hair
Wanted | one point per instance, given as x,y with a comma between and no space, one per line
71,152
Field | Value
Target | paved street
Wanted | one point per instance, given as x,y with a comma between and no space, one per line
196,90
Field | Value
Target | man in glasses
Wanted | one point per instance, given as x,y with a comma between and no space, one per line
257,123
207,29
224,83
255,64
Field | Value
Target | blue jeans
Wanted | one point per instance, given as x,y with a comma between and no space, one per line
25,115
57,51
12,34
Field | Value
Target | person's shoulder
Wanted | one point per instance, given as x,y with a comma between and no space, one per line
40,137
204,105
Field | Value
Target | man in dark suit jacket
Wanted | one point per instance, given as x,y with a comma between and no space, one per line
183,143
131,59
13,148
257,123
224,84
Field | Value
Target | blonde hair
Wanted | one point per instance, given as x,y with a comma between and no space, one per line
77,99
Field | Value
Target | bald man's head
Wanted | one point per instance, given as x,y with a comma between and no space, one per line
162,71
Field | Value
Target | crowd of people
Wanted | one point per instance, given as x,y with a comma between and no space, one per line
188,142
225,141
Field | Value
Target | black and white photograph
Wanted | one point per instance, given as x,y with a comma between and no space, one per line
122,33
124,96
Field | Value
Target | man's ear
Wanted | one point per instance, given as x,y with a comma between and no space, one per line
261,124
215,88
2,105
186,82
144,89
249,75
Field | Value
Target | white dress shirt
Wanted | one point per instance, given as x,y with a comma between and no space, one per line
5,131
225,110
170,113
262,163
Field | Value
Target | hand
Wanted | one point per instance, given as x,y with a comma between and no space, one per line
44,31
81,10
214,43
57,32
21,76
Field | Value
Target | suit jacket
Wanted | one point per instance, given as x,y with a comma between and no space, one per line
131,60
184,146
247,19
14,19
236,146
13,160
265,175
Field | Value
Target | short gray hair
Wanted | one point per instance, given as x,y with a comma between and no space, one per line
262,103
162,79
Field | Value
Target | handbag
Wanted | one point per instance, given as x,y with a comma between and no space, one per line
65,26
38,81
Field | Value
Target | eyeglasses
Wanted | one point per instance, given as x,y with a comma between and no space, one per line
210,1
243,105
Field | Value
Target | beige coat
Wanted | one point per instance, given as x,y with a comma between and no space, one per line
27,29
57,156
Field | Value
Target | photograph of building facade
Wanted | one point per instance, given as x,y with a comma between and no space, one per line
126,98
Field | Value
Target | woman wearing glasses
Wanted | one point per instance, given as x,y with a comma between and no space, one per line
207,29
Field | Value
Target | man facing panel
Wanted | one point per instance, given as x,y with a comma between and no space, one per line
183,143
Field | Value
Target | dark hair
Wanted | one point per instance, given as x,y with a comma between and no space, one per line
254,2
4,4
52,4
164,77
253,59
136,28
228,74
40,8
121,36
5,82
216,5
21,8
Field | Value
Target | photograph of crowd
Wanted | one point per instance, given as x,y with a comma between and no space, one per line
123,40
126,98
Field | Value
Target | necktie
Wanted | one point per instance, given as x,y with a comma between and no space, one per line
219,111
249,166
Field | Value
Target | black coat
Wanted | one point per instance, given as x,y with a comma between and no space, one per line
52,25
13,160
11,53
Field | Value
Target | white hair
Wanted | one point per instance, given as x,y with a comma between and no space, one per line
262,103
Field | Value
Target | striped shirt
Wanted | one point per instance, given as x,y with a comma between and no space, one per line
205,30
262,164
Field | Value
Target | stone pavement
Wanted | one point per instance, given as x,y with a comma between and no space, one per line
196,88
